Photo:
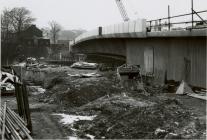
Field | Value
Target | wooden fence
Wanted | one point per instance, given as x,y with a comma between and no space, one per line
22,103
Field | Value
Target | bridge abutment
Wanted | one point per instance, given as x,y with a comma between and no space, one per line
172,58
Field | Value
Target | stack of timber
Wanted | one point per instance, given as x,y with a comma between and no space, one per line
12,125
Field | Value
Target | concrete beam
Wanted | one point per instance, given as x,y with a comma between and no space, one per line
180,33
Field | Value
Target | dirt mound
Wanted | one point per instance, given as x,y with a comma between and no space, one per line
71,91
114,103
53,79
86,90
120,113
124,117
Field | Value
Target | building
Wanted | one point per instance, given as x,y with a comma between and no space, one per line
31,37
64,43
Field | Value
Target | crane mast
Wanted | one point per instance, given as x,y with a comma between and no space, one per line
122,10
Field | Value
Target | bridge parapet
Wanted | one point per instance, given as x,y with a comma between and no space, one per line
136,28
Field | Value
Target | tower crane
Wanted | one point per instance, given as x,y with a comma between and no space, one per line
122,10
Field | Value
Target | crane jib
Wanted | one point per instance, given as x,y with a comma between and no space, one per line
122,10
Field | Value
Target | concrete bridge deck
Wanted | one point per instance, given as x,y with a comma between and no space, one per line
134,29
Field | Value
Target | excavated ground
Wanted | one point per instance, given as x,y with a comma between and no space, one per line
120,113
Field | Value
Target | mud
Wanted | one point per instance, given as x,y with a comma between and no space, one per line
120,113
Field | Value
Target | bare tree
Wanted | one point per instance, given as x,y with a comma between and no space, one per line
46,32
6,24
54,30
21,18
15,20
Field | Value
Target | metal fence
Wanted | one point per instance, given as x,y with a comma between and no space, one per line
169,23
192,20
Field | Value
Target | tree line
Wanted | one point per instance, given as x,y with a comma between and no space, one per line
18,19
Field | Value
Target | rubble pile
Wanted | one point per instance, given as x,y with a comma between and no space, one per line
120,113
7,82
31,62
77,91
84,65
125,117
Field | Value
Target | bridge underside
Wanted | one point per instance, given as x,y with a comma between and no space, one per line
168,58
110,47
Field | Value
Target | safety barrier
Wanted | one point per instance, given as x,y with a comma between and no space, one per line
137,26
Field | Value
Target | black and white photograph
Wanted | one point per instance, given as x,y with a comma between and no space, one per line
103,69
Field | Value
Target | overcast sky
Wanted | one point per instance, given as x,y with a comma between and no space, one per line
89,14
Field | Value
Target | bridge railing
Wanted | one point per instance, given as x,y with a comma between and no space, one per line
137,26
177,22
143,26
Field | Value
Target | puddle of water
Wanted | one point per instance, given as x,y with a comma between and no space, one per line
70,119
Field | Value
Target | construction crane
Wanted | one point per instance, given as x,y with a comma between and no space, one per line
122,10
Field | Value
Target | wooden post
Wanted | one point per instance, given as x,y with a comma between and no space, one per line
192,12
27,110
23,103
21,95
159,27
99,31
17,97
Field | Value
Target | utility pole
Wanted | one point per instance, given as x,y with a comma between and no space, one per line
169,17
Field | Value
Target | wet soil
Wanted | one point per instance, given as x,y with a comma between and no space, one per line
121,113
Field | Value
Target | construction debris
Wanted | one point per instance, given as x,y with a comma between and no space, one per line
130,70
8,77
84,65
22,64
7,87
135,118
120,113
35,90
130,77
12,126
183,89
85,75
197,96
31,62
7,81
201,92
